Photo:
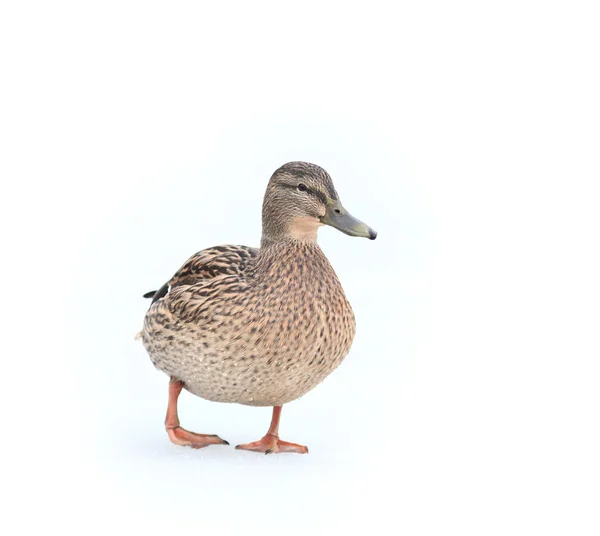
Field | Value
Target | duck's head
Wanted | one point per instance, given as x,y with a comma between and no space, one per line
300,198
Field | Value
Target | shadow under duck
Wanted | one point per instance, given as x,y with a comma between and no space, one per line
257,326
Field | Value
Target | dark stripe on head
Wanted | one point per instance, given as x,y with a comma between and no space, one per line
319,195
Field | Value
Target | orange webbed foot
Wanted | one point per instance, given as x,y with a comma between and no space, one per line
271,444
181,436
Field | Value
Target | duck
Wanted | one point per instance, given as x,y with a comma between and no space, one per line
257,326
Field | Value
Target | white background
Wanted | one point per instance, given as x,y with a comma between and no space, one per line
466,133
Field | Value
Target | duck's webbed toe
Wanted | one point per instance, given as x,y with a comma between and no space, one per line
271,444
181,436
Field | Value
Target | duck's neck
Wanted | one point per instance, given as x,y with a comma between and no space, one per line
289,257
300,229
269,241
287,246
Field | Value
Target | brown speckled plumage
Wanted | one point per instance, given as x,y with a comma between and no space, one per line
259,326
263,336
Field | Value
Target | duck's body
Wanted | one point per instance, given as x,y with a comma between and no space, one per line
253,326
263,326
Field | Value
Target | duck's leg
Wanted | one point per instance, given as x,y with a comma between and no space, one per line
271,442
179,435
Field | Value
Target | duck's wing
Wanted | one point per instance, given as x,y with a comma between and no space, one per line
208,264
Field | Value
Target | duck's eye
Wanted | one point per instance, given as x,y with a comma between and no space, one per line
302,187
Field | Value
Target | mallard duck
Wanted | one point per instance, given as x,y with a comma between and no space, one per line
257,326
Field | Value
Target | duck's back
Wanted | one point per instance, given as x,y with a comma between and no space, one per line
238,326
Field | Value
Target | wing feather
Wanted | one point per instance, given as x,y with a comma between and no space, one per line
206,265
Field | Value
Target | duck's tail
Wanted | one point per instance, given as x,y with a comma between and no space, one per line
157,294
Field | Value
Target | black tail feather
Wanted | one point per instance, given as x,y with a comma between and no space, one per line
157,294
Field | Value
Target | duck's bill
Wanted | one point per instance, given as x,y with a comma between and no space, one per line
338,217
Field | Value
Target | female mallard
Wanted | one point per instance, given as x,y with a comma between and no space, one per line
257,326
